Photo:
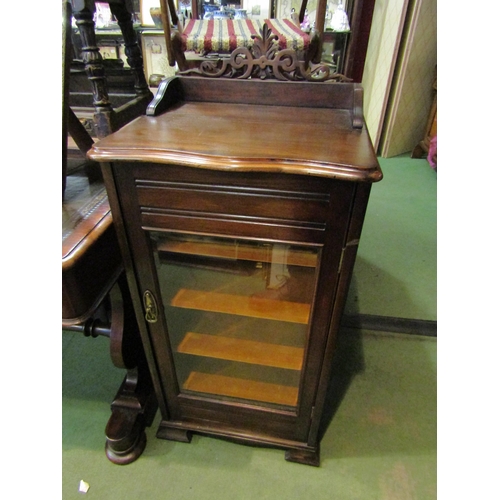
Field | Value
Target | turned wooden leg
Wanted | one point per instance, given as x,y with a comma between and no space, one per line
132,49
179,56
94,68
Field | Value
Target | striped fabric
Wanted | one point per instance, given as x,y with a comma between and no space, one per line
225,35
290,36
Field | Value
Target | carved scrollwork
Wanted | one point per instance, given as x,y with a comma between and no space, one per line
263,60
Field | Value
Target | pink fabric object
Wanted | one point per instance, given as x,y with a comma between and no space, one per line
433,152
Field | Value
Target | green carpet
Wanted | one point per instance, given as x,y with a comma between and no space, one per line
396,266
380,437
380,444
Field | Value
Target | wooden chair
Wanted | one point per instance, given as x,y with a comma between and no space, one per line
196,35
95,297
108,119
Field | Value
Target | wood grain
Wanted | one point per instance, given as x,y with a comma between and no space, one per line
245,351
242,305
222,385
317,141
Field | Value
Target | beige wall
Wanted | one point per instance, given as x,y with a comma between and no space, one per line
381,56
398,83
412,94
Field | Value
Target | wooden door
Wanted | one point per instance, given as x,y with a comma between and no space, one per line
239,353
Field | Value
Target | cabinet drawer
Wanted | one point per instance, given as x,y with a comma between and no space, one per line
198,200
229,200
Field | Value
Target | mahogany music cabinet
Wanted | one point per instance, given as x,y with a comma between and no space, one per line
239,206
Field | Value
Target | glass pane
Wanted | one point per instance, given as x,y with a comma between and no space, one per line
237,313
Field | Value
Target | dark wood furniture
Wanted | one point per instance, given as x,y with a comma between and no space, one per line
95,295
197,36
349,47
238,206
108,118
360,14
96,301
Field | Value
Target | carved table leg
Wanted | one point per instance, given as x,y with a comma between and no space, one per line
135,404
132,49
131,412
94,68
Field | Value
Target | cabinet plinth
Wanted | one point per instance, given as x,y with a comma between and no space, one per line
239,209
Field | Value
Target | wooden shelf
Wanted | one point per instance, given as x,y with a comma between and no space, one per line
244,351
242,305
234,251
222,385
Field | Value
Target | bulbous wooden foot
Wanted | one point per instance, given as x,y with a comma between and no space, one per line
126,439
135,405
127,445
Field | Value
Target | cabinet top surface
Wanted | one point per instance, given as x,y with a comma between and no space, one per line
248,137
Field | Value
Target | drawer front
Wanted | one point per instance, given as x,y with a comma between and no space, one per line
269,206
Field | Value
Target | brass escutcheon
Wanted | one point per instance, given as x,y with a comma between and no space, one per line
150,307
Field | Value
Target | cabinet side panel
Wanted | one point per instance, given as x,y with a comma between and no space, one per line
360,202
326,292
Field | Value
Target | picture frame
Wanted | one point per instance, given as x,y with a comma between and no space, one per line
257,9
108,51
154,53
145,16
102,16
284,9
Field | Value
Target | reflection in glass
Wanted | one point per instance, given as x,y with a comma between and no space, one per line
237,314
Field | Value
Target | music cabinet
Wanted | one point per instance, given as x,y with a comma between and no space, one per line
239,207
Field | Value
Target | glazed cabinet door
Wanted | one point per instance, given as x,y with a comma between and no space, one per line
237,275
237,314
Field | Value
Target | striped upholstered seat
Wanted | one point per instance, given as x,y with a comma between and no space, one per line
225,35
